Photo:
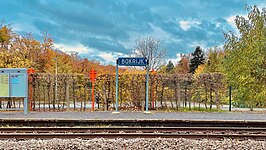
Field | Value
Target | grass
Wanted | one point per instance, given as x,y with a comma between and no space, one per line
193,109
201,109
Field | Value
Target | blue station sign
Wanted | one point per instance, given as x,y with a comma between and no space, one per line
129,61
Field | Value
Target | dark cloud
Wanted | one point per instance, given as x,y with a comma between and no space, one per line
110,26
103,45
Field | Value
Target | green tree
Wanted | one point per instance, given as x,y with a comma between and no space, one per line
197,58
170,67
245,63
214,60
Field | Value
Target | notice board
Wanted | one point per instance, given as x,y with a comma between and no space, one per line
13,82
4,85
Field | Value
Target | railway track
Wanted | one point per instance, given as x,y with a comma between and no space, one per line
240,133
131,122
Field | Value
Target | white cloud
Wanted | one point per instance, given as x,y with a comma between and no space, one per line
231,21
186,25
202,44
175,60
110,57
159,33
22,27
81,49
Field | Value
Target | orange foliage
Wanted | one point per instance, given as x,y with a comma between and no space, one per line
183,66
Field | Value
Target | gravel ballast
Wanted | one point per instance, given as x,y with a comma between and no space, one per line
138,143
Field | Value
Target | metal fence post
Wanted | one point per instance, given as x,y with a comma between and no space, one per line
147,87
230,98
116,87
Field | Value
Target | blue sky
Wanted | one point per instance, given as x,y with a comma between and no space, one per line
106,29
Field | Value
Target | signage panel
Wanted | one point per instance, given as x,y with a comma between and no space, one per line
129,61
4,85
18,85
14,83
132,61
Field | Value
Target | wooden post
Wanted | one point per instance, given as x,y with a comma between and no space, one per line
105,98
67,96
152,88
178,95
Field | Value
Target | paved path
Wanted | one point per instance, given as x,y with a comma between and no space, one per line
138,115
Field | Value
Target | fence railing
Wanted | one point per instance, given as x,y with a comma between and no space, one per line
61,92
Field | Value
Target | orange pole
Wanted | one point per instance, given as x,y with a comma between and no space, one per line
92,95
30,71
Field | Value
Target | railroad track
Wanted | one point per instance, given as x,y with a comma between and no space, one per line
131,122
132,132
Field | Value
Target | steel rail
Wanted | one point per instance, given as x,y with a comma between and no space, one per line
128,129
133,132
131,122
22,136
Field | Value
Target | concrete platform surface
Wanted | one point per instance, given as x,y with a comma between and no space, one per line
259,116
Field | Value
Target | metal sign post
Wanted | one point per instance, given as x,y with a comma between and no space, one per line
230,98
116,87
147,87
126,61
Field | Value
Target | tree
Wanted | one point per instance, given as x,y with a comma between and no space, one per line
245,63
196,60
151,49
183,65
170,66
214,60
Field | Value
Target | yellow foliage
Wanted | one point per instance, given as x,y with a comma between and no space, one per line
199,70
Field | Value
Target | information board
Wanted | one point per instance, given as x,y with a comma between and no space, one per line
4,85
18,85
14,83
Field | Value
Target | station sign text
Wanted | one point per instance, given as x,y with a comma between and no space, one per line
132,61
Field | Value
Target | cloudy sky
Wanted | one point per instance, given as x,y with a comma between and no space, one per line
106,29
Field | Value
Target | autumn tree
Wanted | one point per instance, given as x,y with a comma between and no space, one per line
183,65
245,63
151,49
169,68
5,33
197,58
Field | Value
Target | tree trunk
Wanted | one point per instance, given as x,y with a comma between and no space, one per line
217,100
206,97
211,100
105,98
185,96
67,96
161,98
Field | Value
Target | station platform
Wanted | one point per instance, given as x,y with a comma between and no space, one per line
159,119
108,115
